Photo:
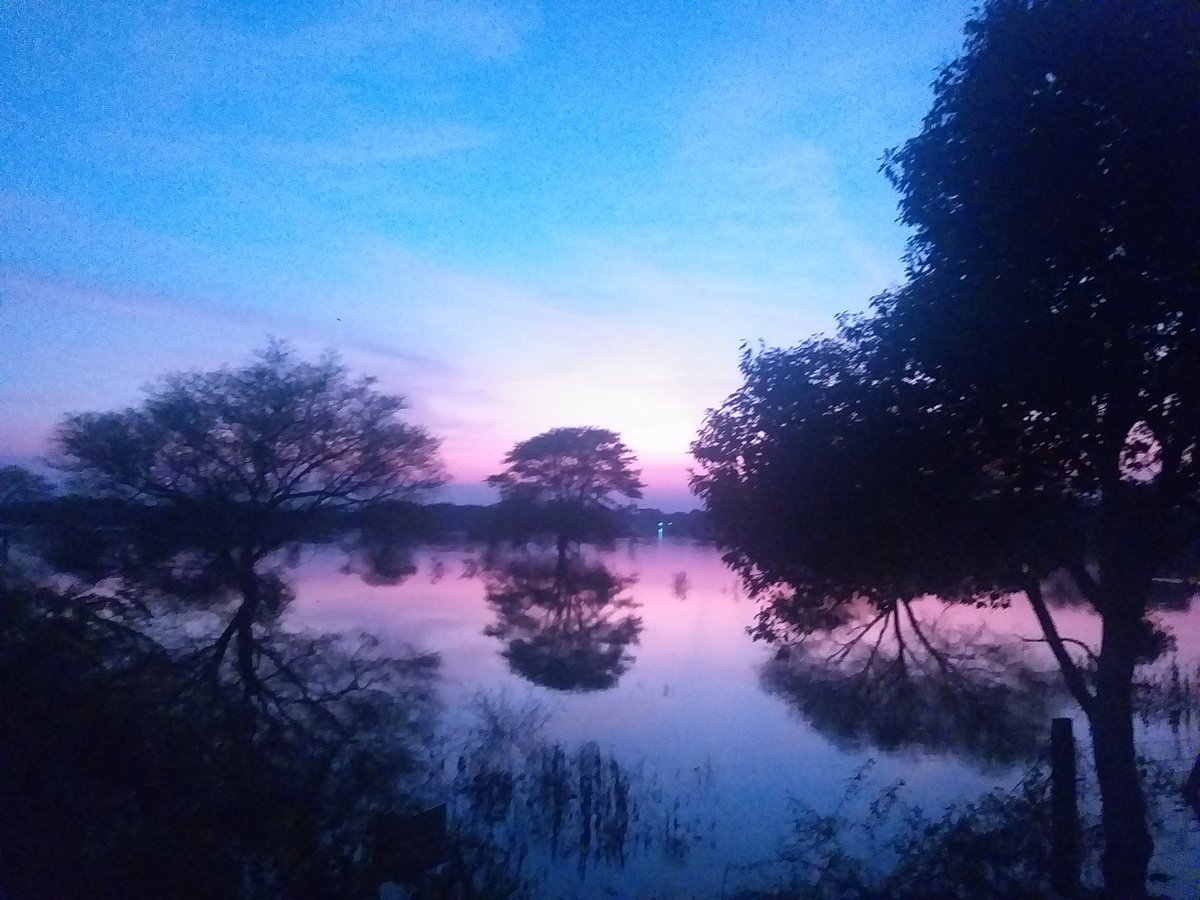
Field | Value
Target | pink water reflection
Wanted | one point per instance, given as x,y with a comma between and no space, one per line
690,708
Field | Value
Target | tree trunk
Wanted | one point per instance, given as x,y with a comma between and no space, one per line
244,617
1127,842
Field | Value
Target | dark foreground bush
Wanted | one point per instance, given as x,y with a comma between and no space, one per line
128,771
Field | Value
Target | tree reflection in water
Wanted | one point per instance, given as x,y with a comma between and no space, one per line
135,768
891,680
565,621
379,553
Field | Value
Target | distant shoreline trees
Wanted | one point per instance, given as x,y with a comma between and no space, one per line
20,489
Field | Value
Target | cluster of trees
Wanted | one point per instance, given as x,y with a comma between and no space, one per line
1025,406
1026,403
254,761
197,490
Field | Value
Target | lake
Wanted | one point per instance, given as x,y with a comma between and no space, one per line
655,673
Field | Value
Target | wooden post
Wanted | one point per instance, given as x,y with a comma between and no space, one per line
1191,788
1064,810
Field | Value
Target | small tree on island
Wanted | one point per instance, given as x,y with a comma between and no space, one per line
565,482
1027,402
223,468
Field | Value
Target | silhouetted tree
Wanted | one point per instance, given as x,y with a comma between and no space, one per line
1027,401
220,469
566,622
565,482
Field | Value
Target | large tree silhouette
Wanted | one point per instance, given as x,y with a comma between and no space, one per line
566,482
1027,401
215,471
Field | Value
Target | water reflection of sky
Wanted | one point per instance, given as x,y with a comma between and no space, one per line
690,711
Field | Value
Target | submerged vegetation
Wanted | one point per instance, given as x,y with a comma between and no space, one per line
995,846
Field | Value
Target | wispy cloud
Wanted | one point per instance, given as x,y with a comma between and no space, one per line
485,29
395,143
517,223
307,53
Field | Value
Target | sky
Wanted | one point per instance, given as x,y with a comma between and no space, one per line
519,215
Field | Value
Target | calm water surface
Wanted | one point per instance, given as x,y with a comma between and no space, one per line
719,760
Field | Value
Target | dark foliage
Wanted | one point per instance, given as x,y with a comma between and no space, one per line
996,846
125,775
565,621
1026,402
564,483
19,486
217,471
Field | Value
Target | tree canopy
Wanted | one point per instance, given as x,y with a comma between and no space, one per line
233,460
1026,402
279,433
215,471
566,481
570,465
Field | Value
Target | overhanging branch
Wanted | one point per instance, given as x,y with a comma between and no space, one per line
1073,677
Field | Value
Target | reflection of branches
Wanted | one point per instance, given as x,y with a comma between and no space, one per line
305,683
1169,693
565,622
892,680
266,793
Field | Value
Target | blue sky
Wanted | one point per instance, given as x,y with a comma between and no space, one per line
520,215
